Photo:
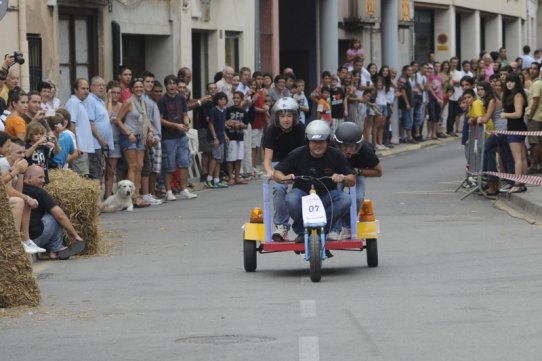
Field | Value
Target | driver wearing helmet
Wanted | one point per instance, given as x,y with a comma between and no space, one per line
316,159
285,134
362,158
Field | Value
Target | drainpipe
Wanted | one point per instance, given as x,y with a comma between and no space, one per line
23,46
257,55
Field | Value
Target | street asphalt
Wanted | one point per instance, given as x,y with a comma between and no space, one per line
527,205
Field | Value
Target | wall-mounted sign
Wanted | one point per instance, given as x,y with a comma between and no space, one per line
442,42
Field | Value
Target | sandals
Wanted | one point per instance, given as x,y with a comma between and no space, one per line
517,188
140,203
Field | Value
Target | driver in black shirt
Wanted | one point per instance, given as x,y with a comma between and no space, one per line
317,159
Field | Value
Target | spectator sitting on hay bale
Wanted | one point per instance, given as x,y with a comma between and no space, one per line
48,221
12,167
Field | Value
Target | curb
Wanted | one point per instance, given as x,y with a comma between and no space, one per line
404,147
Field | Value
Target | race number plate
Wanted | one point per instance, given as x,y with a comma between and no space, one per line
313,210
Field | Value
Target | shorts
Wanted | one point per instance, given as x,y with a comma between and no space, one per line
534,126
515,138
125,143
218,153
156,158
256,139
175,154
236,151
80,165
115,153
96,164
383,110
204,143
147,163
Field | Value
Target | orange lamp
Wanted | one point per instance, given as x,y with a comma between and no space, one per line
366,213
256,216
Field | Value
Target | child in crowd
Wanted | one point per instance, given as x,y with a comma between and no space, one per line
69,128
65,142
237,120
269,102
323,111
354,51
40,148
298,93
217,137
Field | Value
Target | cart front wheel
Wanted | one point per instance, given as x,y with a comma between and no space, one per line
315,249
372,252
249,253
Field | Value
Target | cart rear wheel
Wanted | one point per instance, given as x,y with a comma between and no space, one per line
249,253
372,252
315,250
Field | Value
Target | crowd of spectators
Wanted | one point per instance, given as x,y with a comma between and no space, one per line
138,128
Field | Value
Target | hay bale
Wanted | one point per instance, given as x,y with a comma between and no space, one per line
78,197
18,286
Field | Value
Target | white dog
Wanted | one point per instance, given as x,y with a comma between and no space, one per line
122,199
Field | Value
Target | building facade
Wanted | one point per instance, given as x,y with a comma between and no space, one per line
66,39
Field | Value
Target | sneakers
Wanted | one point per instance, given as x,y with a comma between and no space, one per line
209,184
152,200
280,234
221,184
32,248
333,236
170,196
186,194
73,249
345,233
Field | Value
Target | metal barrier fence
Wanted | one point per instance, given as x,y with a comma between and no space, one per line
474,149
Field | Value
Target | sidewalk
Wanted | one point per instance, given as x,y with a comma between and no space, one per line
527,205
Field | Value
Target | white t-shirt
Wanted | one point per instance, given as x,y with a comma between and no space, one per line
5,167
79,116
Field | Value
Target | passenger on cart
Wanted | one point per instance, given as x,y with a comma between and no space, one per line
284,135
361,156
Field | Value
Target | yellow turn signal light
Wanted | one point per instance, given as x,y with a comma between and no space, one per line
366,213
256,216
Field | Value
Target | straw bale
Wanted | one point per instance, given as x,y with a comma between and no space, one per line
78,197
18,286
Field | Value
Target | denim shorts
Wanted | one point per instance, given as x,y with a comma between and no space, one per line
515,138
218,153
125,143
175,154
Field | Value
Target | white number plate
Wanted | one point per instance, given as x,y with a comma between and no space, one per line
313,210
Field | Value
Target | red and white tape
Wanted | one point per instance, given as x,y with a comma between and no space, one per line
526,179
517,132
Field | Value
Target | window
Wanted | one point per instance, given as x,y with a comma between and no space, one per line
34,60
232,49
77,44
424,33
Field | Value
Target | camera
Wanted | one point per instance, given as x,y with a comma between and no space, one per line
18,57
49,139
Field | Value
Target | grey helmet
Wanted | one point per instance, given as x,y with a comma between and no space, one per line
285,104
318,130
348,133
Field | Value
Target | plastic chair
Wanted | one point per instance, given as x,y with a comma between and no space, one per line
195,170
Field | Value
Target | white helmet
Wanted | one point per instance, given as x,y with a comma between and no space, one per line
318,130
285,105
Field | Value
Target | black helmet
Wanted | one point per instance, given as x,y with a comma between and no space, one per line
348,133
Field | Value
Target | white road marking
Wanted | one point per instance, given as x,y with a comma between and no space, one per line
307,308
309,348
